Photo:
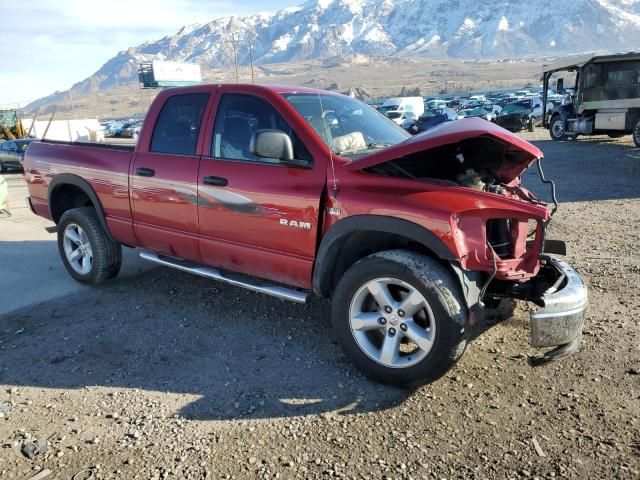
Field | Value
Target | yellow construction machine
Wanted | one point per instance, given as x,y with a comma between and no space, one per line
11,125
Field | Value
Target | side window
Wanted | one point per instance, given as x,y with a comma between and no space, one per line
177,127
238,118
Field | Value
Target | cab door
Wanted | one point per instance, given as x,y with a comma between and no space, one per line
164,179
257,216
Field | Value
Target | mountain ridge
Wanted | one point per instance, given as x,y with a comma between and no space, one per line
448,29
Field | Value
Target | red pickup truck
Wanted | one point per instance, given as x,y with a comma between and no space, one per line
288,190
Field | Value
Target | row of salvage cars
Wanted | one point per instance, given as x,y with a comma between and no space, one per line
515,114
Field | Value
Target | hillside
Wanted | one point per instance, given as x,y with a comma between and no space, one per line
412,29
377,78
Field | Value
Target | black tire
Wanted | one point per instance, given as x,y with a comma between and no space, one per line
437,285
530,125
107,254
557,129
2,167
636,134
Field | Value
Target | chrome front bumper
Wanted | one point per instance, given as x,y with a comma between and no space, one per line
560,320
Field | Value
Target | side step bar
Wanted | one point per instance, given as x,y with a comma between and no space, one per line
277,291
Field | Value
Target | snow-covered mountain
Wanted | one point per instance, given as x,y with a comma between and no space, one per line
467,29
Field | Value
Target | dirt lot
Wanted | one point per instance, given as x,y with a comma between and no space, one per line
164,375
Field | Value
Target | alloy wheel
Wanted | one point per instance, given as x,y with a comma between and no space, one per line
77,249
392,322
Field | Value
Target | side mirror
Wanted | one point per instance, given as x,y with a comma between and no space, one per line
560,85
272,144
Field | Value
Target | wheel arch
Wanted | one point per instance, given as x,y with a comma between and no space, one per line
67,191
356,237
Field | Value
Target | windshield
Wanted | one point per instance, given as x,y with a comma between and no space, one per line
478,111
430,114
347,126
516,107
386,108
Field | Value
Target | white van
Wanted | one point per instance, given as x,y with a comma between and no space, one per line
398,108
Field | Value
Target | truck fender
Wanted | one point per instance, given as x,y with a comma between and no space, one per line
329,249
80,183
564,111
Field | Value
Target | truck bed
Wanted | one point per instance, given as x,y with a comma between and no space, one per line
104,167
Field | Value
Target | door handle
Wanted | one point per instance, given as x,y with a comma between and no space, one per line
145,172
218,181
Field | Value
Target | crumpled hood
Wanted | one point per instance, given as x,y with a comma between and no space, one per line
518,153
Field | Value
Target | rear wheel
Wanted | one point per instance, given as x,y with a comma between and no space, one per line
557,129
400,317
636,134
88,254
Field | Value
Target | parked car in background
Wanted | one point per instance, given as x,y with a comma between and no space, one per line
12,153
522,93
504,101
486,112
455,103
521,115
405,119
112,129
478,98
435,104
400,105
130,130
433,118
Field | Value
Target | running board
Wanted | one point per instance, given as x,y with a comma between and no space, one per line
277,291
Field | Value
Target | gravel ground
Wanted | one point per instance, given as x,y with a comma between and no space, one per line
165,375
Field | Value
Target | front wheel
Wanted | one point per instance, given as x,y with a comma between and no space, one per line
557,129
87,252
530,125
400,317
636,134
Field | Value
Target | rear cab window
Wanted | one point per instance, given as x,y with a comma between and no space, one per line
178,125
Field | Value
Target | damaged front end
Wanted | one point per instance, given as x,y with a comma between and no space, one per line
561,299
499,235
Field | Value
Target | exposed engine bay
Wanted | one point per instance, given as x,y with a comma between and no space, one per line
479,163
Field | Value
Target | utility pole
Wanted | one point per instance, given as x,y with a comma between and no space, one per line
253,77
141,98
99,106
235,55
73,108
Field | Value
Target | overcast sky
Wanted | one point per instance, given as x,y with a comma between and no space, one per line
50,45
